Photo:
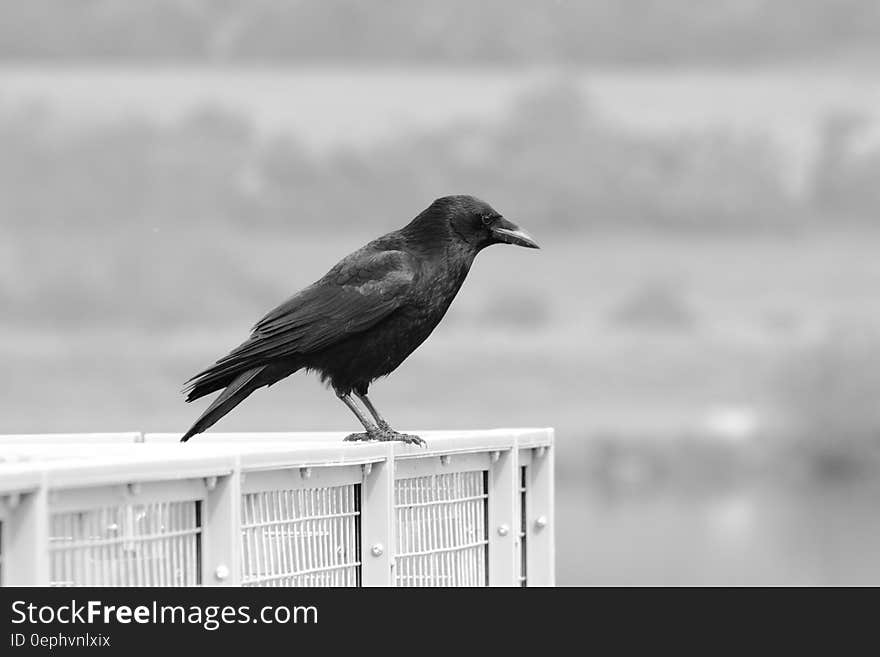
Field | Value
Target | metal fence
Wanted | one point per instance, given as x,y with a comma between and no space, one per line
266,509
442,537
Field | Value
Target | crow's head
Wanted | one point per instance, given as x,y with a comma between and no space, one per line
474,222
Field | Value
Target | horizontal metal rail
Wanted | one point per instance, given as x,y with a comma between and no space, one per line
291,509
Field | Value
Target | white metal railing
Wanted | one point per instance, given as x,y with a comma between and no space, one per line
277,509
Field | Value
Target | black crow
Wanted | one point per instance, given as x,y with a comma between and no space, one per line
365,316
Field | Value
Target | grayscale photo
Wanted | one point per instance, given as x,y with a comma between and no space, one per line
347,293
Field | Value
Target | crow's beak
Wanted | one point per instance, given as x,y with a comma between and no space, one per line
509,233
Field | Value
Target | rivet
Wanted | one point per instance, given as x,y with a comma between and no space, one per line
503,530
134,488
222,572
377,550
444,460
305,473
367,468
541,522
210,483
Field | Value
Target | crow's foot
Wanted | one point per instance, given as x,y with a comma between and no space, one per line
388,434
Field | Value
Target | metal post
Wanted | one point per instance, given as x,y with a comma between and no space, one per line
221,530
540,529
27,562
377,522
502,526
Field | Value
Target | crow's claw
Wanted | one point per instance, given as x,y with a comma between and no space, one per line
386,435
409,439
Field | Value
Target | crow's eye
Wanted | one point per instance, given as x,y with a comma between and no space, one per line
488,219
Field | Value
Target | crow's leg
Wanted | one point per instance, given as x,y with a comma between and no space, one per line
369,426
383,424
373,432
380,421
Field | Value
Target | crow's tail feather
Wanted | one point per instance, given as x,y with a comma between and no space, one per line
236,391
211,380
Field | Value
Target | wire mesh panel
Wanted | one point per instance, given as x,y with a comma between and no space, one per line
153,544
441,530
301,537
523,561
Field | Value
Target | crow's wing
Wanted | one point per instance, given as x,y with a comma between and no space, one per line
357,293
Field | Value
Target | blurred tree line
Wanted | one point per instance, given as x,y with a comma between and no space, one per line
845,176
101,206
552,158
438,31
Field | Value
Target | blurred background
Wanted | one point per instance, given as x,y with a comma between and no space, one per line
702,327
